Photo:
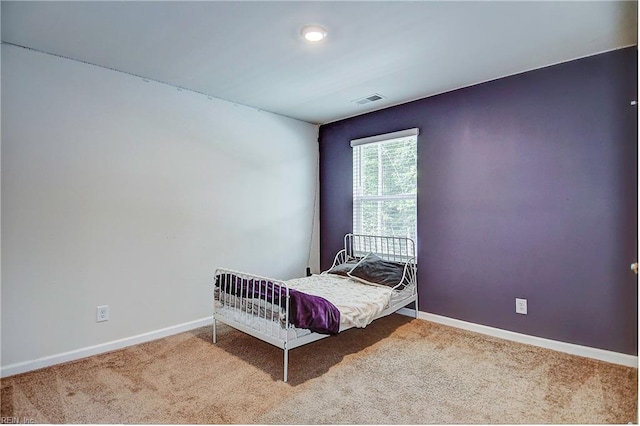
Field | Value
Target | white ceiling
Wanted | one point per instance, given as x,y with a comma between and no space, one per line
251,53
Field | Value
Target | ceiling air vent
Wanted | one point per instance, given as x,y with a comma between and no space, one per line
368,99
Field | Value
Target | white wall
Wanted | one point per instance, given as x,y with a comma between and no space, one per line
129,193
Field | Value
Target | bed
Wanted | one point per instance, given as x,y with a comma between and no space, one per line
371,277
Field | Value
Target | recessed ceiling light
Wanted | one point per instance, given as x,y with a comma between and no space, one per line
313,33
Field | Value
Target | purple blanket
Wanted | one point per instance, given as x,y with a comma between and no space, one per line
305,310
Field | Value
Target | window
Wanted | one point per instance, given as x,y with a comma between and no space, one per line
385,184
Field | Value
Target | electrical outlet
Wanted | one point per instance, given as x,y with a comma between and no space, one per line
521,306
102,313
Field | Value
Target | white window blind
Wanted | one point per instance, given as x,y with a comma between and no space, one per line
385,184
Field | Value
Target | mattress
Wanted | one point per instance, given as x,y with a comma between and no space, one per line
359,304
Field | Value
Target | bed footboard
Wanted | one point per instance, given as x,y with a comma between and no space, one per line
260,307
253,304
256,302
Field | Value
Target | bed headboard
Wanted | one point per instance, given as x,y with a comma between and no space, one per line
395,249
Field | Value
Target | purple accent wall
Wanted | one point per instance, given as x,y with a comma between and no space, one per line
527,187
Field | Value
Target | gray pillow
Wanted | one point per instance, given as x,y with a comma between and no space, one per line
372,269
344,268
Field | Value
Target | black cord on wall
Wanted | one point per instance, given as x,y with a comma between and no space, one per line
313,210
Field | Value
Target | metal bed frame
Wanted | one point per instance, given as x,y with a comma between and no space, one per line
256,318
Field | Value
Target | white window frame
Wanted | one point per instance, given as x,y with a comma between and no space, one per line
358,196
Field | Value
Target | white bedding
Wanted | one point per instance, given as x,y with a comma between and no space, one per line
359,304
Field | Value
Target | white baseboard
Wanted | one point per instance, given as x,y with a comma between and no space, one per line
599,354
570,348
23,367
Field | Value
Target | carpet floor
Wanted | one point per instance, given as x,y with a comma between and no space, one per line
396,371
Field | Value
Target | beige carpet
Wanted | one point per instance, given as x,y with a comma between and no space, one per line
396,371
